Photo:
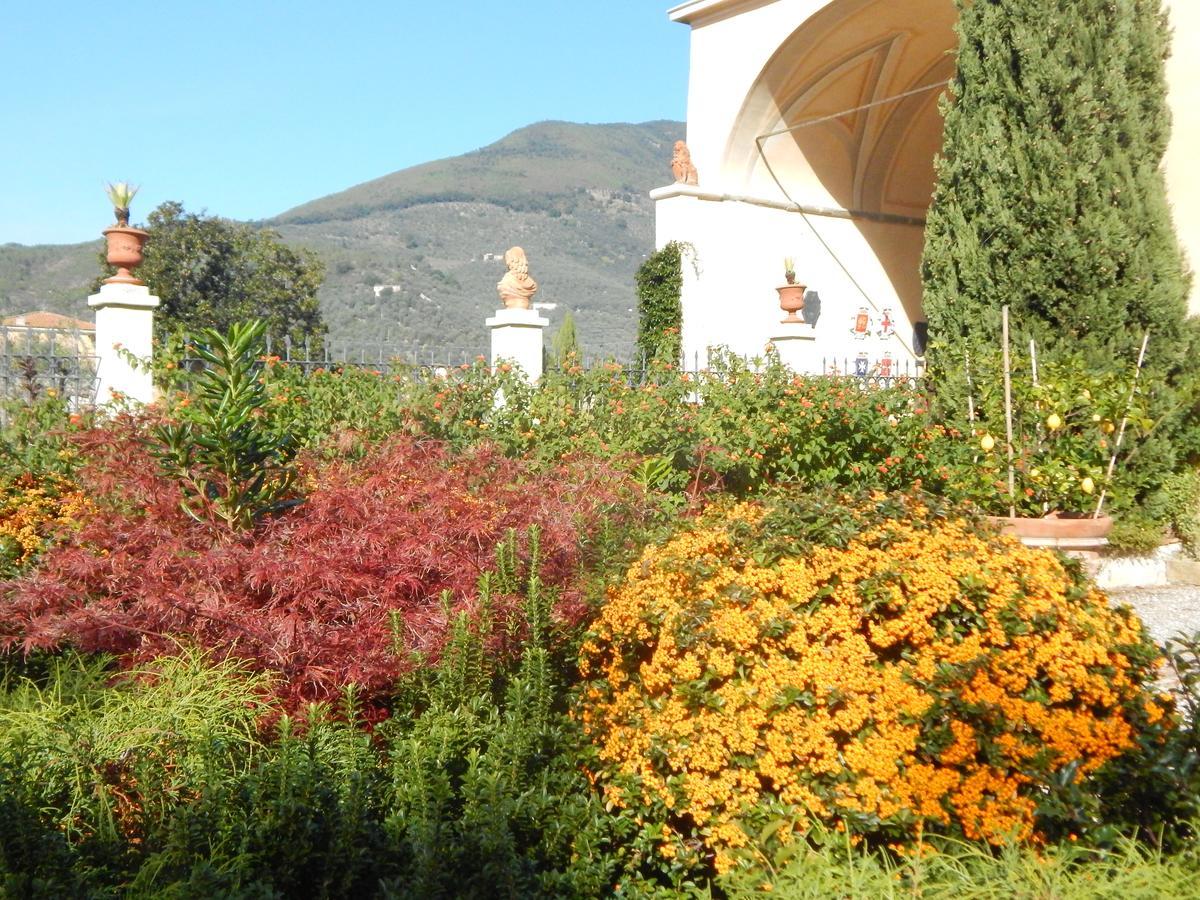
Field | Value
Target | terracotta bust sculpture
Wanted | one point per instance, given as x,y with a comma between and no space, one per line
681,165
516,287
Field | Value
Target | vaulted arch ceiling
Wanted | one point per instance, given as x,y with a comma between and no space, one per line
849,54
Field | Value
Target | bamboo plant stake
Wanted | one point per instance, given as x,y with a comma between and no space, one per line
1112,462
1033,371
1008,420
970,388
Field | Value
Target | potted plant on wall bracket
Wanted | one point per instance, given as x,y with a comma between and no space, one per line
791,294
125,244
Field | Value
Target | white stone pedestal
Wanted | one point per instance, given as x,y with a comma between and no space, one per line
796,343
124,324
517,337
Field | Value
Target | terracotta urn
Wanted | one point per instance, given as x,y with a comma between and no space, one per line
791,301
1062,531
125,252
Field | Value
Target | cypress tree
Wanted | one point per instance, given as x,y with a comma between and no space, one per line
566,341
1050,196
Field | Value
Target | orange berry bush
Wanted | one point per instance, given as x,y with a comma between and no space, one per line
888,667
31,512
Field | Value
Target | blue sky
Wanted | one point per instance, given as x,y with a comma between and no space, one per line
249,107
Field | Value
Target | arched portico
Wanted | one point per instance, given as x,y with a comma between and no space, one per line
845,196
849,54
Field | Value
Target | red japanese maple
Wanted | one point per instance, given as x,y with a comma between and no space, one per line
315,593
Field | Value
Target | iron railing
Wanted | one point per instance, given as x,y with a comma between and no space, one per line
35,361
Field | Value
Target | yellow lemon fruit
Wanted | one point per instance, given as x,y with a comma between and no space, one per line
1109,427
1054,422
988,443
1088,485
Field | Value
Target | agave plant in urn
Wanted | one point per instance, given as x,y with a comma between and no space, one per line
791,295
125,244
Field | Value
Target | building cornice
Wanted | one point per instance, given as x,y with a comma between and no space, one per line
830,212
697,11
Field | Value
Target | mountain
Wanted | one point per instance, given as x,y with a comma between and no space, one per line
49,276
413,257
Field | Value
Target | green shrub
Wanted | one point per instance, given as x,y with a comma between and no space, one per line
231,468
303,820
1154,790
35,438
1182,499
1065,426
1135,532
740,426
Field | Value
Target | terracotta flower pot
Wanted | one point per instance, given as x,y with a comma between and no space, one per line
125,252
1063,532
791,301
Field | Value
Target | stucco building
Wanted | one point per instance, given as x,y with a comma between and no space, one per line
845,195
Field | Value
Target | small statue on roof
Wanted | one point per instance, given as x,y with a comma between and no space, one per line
681,165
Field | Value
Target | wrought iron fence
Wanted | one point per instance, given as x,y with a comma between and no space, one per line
383,356
881,373
35,361
418,361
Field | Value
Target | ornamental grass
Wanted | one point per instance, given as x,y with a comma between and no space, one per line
886,667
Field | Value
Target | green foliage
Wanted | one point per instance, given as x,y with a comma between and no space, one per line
302,820
1135,532
1154,790
760,424
741,426
230,466
34,437
161,783
660,313
211,273
486,798
1050,198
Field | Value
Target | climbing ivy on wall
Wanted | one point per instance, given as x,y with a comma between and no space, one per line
660,313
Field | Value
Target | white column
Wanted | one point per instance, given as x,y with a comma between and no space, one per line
1183,181
796,343
517,337
124,324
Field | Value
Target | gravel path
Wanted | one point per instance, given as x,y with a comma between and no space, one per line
1165,610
